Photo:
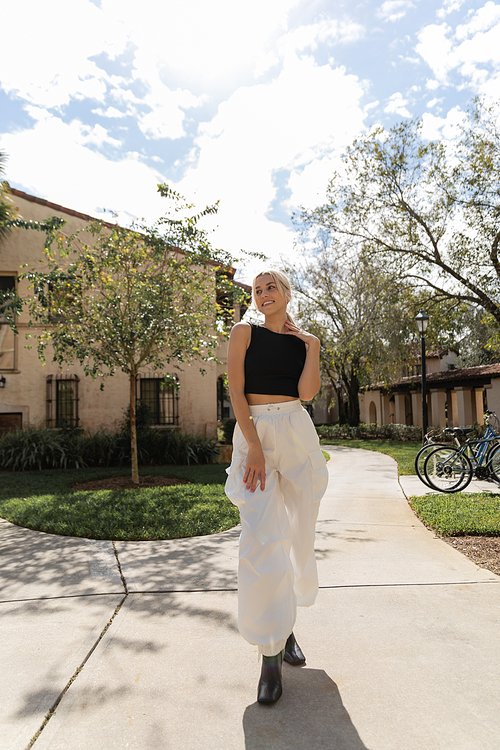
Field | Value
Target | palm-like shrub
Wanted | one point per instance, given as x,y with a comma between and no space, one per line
43,448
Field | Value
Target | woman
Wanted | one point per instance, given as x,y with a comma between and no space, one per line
277,476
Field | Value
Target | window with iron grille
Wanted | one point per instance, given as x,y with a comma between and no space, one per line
161,398
62,401
7,339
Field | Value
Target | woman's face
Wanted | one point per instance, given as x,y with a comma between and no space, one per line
268,297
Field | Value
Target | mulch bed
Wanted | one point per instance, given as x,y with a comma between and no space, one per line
483,550
126,483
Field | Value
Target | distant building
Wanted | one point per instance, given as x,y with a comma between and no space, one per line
456,397
33,394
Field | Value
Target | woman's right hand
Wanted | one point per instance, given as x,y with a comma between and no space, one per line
255,469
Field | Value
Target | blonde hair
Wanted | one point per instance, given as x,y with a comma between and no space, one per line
281,282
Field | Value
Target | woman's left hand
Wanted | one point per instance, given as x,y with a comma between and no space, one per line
294,330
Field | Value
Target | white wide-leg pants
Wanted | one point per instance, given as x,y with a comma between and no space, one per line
277,565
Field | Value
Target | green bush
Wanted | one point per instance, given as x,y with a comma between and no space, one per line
31,448
369,432
172,447
43,448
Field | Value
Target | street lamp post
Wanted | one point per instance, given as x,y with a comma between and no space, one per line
422,321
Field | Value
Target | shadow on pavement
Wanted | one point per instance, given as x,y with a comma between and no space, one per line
35,565
309,715
206,563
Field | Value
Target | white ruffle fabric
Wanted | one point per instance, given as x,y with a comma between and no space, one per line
277,565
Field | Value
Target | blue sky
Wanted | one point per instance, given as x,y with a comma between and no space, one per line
247,103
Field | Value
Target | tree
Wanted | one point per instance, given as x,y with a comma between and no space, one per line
363,318
9,217
117,299
479,341
428,211
7,211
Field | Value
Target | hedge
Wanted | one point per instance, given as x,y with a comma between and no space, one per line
369,432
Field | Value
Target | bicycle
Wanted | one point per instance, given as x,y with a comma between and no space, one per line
428,447
449,468
430,444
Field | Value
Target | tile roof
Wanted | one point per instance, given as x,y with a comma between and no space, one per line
57,207
438,353
87,217
451,377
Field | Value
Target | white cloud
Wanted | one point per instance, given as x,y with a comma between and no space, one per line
326,32
166,119
51,61
96,135
43,60
449,6
394,10
55,155
294,121
436,49
226,36
482,20
80,133
109,112
397,105
438,128
471,49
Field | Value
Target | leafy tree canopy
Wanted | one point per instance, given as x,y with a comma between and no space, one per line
426,211
365,320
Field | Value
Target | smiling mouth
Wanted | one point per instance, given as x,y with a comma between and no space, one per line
271,302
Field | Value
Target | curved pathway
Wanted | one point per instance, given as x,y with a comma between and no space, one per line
135,645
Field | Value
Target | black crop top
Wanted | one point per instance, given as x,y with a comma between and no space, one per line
274,363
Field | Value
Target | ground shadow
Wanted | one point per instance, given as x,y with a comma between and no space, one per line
310,715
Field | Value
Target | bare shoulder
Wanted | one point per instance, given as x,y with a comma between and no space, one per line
241,332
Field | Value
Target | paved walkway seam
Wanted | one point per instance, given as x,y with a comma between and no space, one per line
119,568
61,695
182,591
400,585
61,596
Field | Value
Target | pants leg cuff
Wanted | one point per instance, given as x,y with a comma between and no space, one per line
272,650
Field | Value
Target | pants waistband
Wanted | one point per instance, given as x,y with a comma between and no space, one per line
284,408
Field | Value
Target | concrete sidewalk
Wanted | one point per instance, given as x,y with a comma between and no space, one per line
135,645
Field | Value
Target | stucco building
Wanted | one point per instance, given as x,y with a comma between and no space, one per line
36,394
456,397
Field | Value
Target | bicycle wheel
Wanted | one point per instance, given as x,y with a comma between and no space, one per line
420,460
493,461
446,469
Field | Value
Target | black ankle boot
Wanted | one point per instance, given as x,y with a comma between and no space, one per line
293,652
269,690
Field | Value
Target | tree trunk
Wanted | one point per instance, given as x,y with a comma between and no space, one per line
342,407
352,384
133,430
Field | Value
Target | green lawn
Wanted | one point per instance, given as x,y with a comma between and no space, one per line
404,453
460,514
44,500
